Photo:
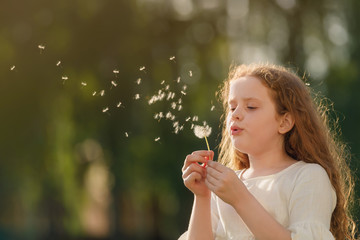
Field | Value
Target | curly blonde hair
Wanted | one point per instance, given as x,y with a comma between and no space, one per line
313,139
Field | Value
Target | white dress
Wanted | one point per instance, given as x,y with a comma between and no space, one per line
300,197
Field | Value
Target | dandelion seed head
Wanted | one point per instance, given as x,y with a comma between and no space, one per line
202,131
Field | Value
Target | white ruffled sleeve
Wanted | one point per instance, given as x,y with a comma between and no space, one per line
311,205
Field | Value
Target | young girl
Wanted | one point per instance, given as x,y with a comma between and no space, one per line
280,174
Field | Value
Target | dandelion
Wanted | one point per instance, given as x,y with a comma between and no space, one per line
203,132
157,139
94,93
84,84
102,93
138,81
12,68
58,63
190,73
137,96
105,109
113,83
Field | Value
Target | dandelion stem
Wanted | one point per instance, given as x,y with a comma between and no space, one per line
207,143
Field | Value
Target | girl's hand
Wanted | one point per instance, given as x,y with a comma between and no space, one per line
224,183
194,174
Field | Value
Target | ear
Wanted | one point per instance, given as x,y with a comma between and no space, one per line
286,123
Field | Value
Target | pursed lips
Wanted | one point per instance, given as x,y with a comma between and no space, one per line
235,130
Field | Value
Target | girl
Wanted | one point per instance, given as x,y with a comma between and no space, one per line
280,174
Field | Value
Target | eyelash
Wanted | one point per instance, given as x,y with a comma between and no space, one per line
248,107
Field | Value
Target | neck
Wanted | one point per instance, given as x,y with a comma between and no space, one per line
270,159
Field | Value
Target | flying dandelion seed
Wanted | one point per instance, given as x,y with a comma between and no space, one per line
138,81
172,58
58,63
169,115
113,83
12,68
105,110
192,126
102,93
167,87
195,118
142,68
41,47
84,84
178,80
180,101
94,93
184,87
162,82
126,134
187,119
115,71
157,139
137,96
173,105
190,73
183,93
64,78
307,84
212,108
180,107
119,104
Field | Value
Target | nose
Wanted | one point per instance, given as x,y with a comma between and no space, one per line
237,114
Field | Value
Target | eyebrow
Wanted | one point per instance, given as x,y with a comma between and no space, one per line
245,100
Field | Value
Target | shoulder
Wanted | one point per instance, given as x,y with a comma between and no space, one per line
310,171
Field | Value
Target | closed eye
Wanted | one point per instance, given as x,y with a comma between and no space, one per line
251,107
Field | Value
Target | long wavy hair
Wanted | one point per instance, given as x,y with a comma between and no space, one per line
313,139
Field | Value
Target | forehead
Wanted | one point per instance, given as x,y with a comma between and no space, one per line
248,87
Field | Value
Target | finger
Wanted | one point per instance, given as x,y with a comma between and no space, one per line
210,185
193,177
217,166
212,179
210,171
194,168
193,158
205,153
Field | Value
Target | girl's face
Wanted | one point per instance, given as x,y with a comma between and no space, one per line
252,120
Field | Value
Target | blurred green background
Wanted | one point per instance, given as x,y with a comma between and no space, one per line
70,169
